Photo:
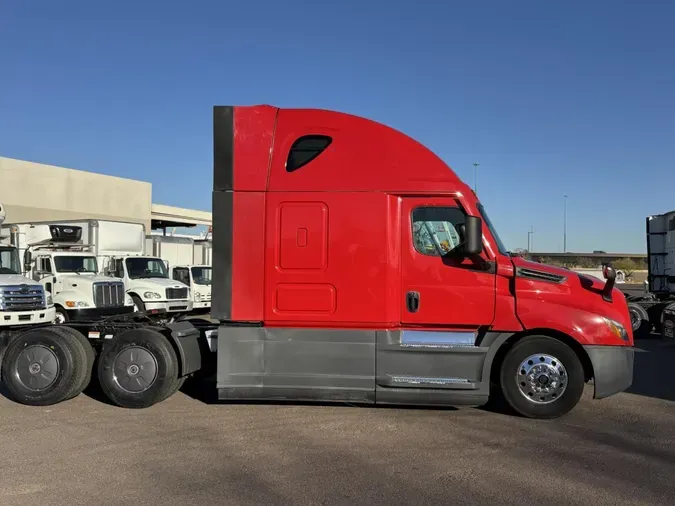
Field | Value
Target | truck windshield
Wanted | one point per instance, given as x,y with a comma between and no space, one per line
9,261
139,268
493,231
77,264
201,275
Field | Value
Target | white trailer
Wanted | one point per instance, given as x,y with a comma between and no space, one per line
188,260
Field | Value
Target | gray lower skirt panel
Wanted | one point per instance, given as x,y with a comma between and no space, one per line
355,366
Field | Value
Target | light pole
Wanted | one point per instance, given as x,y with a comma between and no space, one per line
530,240
475,177
565,227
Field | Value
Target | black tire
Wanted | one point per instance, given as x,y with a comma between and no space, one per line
53,365
139,303
61,316
560,365
639,319
177,385
138,368
89,357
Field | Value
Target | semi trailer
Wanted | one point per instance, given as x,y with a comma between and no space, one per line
647,310
56,257
350,264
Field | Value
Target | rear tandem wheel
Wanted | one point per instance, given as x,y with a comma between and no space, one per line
138,369
43,366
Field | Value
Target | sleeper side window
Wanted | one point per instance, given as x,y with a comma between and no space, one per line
437,230
306,149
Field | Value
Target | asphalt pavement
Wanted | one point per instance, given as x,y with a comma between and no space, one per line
616,451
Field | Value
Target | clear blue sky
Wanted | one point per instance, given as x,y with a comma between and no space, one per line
573,97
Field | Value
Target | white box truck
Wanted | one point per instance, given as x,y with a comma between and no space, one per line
188,260
119,249
56,257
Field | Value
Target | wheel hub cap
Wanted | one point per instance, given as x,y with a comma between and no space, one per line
135,369
37,367
541,378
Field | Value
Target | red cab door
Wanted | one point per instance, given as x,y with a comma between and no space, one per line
441,288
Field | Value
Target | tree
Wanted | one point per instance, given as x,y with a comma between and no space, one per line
627,265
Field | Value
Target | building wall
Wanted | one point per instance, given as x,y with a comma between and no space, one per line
37,192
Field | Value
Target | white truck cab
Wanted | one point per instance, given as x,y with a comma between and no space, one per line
198,278
152,290
23,302
188,261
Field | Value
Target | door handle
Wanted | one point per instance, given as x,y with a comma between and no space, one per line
413,301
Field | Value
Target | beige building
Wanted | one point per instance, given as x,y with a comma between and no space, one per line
37,192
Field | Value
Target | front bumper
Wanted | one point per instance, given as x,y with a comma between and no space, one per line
169,306
612,369
96,313
18,318
201,305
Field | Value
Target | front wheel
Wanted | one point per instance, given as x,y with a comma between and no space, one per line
541,377
61,316
639,319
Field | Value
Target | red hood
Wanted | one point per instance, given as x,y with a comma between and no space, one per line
572,302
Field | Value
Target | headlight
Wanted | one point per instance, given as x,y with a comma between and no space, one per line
76,303
50,301
128,301
616,329
151,295
198,296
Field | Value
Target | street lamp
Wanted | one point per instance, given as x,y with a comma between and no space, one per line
475,177
565,227
530,240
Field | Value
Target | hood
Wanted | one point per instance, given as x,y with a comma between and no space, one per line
153,283
16,279
85,279
573,300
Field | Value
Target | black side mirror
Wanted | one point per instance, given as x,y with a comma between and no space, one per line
473,239
27,260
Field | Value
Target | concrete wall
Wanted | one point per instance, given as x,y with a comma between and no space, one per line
37,192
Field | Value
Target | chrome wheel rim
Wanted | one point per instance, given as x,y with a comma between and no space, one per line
634,319
59,318
541,378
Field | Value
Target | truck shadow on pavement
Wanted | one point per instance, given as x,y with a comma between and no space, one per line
653,370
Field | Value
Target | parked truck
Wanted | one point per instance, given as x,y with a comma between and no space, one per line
56,257
647,310
352,265
118,249
188,260
22,301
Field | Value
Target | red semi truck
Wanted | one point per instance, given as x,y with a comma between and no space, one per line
350,264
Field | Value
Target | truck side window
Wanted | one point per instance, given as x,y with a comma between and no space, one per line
46,265
119,268
182,274
437,230
306,149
